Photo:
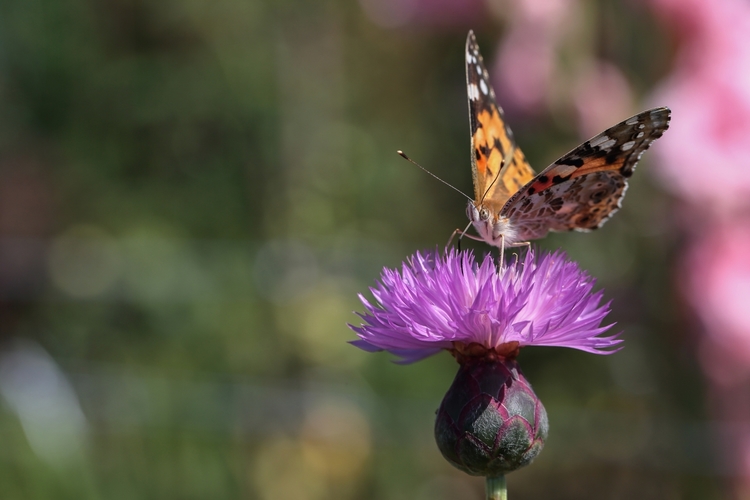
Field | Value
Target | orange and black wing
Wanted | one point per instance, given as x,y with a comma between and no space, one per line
581,190
499,167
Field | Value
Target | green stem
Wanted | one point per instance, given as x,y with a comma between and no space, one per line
496,488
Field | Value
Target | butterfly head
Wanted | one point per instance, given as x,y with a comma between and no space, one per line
491,226
478,213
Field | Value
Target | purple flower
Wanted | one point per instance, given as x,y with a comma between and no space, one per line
490,422
450,302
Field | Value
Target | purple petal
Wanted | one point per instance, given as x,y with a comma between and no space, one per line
435,300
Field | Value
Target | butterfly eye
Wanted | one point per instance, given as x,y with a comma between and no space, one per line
484,214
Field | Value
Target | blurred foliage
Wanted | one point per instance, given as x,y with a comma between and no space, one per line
193,193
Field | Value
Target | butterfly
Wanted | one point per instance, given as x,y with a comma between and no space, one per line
580,191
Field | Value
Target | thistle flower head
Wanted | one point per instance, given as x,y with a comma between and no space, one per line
472,309
490,421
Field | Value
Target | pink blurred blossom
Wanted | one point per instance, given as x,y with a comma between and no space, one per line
601,96
716,280
526,61
716,276
524,69
705,158
531,78
432,13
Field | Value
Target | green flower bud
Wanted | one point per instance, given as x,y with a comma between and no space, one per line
490,421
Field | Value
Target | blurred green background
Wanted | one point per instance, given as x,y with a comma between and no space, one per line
193,193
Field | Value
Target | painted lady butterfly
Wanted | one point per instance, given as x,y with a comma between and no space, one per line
580,191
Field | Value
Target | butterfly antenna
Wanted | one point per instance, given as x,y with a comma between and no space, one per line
505,161
403,155
493,182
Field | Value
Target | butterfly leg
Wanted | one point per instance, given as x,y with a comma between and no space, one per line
519,244
453,235
522,244
502,250
462,233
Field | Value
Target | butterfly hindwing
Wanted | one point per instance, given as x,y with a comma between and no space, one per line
583,189
491,139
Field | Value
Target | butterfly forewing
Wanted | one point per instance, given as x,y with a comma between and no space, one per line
583,189
491,139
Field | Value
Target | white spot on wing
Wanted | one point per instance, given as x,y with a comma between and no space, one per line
640,134
483,86
602,141
632,121
627,146
473,91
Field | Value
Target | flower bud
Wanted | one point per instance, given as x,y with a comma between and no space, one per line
490,421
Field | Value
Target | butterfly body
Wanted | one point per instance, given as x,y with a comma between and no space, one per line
580,191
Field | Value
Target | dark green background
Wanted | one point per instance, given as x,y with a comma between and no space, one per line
193,193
